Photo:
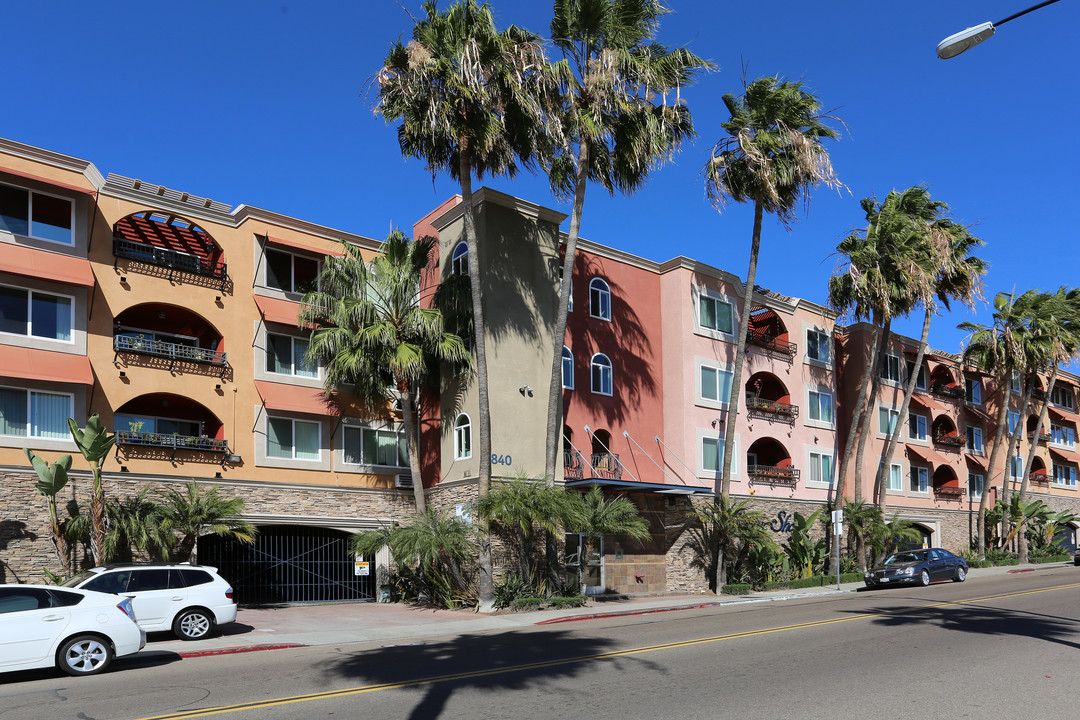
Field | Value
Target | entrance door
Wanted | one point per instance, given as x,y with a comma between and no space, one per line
593,577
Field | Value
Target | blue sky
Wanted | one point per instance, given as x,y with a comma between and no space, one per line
269,104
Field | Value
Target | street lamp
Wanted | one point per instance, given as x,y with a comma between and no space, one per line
953,45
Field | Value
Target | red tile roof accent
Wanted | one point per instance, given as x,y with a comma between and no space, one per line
140,228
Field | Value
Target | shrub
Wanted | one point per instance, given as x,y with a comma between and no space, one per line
735,589
509,589
525,604
561,603
1052,559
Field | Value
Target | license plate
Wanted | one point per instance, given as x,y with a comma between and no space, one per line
884,579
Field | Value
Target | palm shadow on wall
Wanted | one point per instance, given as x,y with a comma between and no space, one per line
10,531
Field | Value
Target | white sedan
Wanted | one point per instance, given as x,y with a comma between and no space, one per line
77,631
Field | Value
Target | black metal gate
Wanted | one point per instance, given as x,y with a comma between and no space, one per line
290,564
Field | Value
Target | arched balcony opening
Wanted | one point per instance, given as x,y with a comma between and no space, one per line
1039,474
769,463
605,464
768,398
573,464
767,331
944,383
160,426
1038,392
168,241
169,337
947,484
1034,432
945,433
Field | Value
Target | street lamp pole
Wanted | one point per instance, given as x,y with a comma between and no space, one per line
953,45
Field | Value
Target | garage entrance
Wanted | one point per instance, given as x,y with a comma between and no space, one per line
290,564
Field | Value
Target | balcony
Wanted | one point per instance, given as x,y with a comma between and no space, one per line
771,410
1040,437
172,441
1038,394
573,465
772,344
604,465
141,345
951,441
772,475
1039,478
171,259
947,391
949,492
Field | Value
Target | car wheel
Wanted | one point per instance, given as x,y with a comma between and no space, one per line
194,624
84,655
924,578
961,574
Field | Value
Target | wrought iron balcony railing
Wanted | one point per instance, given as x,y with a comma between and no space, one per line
173,351
1042,437
573,465
946,390
950,440
948,491
772,344
152,255
771,409
1039,477
604,465
772,475
172,442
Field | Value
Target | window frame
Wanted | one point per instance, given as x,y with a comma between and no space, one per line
292,446
1063,392
816,459
811,406
29,305
724,378
363,462
30,215
894,417
600,294
267,251
29,408
816,339
294,363
567,377
889,364
924,426
463,437
610,375
920,479
717,300
972,493
972,432
895,480
973,391
1069,482
459,261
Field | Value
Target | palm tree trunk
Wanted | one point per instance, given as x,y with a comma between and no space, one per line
909,389
999,435
97,517
735,393
408,415
485,584
868,414
58,540
1014,447
856,418
1021,537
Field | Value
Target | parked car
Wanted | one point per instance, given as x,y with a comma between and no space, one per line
917,566
189,600
1076,558
78,631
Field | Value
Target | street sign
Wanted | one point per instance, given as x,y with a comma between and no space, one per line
362,568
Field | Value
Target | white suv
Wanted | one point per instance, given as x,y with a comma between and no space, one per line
187,599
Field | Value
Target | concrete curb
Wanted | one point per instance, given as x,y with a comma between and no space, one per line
238,649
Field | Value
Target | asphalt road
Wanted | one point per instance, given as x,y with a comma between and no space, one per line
1003,647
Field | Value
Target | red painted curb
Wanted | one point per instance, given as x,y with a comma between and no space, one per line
624,613
1019,570
239,649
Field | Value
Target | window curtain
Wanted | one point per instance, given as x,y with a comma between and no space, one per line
49,414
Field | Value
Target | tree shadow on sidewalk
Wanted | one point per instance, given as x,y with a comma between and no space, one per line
495,663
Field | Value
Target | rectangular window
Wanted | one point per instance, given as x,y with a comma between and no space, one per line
715,315
974,440
890,368
712,454
973,391
368,446
28,413
35,314
291,273
917,427
920,380
715,384
887,420
1065,475
1063,434
1014,382
817,345
1014,418
292,439
821,468
1016,467
896,478
1062,396
288,355
37,215
920,479
821,406
975,485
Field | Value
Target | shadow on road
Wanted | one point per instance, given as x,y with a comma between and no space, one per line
506,661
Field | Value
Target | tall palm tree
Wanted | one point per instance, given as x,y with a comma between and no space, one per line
622,115
594,514
861,518
948,271
371,332
726,528
94,443
467,98
772,156
193,513
524,507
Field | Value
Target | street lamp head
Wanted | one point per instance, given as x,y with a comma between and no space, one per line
953,45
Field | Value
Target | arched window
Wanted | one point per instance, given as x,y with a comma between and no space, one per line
462,437
601,374
567,368
459,260
599,299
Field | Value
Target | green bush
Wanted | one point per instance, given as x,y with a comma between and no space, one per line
561,603
525,604
735,589
509,589
1052,559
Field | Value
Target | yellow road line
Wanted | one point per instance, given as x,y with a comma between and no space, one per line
207,712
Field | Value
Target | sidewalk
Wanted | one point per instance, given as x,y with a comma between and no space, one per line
332,624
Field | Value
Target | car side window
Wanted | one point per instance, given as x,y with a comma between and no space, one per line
63,598
110,582
148,580
935,555
176,579
22,599
195,577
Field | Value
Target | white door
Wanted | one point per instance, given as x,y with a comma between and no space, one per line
593,576
28,625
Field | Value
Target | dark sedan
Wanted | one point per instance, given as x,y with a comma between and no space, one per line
917,566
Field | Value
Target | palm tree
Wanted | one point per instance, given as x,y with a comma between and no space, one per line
371,332
522,507
51,480
772,156
861,518
885,537
132,523
467,97
94,443
593,514
623,111
727,529
193,513
942,250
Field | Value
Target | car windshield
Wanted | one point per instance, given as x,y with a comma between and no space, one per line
904,557
73,581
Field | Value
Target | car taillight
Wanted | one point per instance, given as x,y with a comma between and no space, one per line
126,608
228,593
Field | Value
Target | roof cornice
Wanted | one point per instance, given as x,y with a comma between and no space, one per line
58,160
495,197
